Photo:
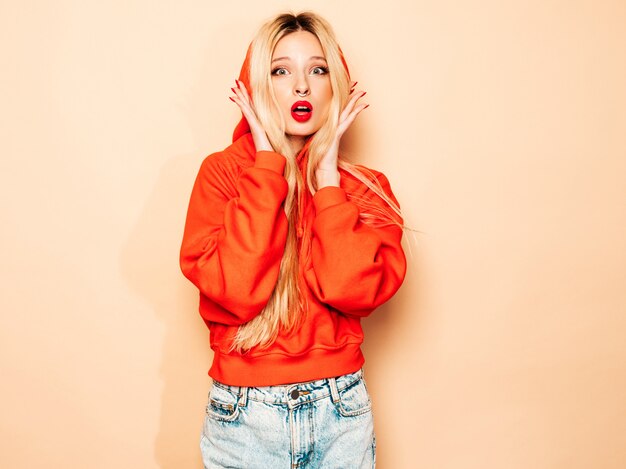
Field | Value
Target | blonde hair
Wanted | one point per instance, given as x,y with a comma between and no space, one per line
286,308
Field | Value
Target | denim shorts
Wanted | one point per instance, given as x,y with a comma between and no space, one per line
325,424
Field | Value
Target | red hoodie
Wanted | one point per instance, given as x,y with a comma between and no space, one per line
232,248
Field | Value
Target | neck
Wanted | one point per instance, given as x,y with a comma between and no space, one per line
297,142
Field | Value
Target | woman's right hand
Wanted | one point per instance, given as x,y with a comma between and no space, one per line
243,100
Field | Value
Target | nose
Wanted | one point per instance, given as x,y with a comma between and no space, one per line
302,86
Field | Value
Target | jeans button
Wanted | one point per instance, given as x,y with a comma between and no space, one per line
295,394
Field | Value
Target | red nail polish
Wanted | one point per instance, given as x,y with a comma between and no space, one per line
232,89
364,93
231,98
366,106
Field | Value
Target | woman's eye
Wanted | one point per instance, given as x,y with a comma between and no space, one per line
279,71
320,71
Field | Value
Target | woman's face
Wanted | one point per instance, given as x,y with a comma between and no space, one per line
301,84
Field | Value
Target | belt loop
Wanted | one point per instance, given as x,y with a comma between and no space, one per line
243,396
334,393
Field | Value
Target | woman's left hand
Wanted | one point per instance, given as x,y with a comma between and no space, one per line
327,173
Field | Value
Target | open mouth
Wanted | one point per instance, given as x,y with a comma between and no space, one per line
301,111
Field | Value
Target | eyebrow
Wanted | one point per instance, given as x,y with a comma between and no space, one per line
315,57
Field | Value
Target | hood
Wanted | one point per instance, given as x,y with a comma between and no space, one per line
244,76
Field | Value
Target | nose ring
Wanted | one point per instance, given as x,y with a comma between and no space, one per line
302,95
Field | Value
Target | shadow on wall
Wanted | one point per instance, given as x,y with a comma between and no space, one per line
149,263
385,330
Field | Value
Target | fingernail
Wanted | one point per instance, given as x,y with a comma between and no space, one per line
366,106
355,83
364,93
232,89
231,98
236,83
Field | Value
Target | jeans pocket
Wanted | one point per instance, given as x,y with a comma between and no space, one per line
354,399
223,404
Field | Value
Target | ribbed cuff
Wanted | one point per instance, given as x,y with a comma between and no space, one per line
328,196
270,160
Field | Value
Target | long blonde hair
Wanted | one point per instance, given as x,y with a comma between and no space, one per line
286,308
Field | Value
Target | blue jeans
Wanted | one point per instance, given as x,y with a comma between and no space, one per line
325,424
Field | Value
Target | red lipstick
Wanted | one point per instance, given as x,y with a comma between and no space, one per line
301,111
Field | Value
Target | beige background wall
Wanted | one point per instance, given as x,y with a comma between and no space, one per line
502,128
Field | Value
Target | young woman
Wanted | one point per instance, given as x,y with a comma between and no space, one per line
290,246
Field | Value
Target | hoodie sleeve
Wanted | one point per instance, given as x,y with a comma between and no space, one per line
233,243
355,267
